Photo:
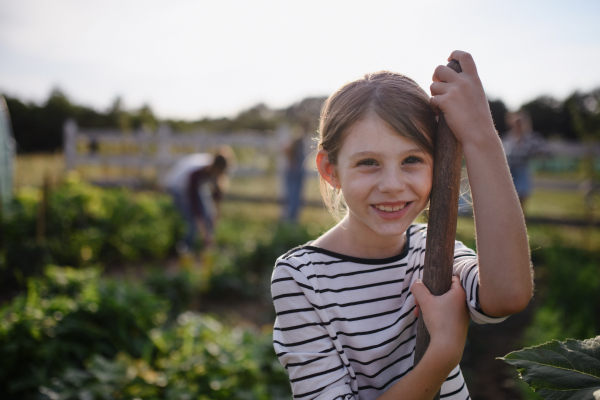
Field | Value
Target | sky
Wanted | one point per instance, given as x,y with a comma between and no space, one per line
192,59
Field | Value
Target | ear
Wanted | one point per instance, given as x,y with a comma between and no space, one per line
326,169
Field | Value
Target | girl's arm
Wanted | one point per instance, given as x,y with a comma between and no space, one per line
314,365
447,320
502,245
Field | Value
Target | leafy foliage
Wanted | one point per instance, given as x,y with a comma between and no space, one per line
84,225
569,290
76,335
247,272
561,370
67,315
40,127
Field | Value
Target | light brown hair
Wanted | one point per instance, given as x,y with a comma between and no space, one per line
393,98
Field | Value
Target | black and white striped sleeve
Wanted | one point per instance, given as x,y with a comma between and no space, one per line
467,269
303,339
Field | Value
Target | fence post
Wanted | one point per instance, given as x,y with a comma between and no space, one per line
70,143
163,150
7,158
283,135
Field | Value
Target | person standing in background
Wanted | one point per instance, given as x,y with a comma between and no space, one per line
294,176
521,144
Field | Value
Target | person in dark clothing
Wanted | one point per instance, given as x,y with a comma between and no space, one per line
294,177
194,184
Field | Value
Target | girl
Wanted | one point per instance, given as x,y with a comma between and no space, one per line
347,303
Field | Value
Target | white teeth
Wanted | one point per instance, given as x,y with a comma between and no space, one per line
390,208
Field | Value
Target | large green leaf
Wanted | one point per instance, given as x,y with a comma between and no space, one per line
561,370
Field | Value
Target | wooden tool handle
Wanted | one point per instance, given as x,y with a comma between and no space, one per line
443,211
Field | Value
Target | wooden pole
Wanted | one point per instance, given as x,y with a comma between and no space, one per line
441,227
42,211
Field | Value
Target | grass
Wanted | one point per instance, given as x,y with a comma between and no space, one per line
30,169
268,186
557,204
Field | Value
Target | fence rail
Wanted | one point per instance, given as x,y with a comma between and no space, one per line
159,150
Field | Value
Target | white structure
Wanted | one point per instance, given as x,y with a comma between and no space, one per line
259,153
7,156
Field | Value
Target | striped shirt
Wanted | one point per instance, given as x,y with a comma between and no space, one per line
345,327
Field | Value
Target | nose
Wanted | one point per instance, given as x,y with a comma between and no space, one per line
393,180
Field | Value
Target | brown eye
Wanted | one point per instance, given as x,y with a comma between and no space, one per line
412,160
367,162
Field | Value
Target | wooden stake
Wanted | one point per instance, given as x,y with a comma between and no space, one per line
441,227
42,214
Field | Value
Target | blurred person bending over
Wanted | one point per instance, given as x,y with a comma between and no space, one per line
194,183
521,144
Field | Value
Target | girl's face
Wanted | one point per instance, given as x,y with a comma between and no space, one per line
385,178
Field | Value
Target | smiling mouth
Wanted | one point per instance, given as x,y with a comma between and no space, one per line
391,208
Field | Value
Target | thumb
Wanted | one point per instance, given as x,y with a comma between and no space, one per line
421,293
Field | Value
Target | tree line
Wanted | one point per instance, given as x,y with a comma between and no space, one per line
38,127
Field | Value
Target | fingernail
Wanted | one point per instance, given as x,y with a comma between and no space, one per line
418,281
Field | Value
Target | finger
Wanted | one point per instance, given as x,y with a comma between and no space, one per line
456,284
444,74
456,289
420,292
467,64
416,311
437,88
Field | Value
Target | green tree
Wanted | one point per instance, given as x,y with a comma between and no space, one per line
144,119
550,118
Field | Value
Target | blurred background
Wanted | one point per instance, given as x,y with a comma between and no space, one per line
100,100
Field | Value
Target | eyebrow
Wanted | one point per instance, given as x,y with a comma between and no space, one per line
362,154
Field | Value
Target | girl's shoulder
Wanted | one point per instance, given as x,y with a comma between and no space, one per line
302,255
296,265
297,251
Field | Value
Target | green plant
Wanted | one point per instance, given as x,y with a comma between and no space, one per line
245,262
76,335
178,287
67,315
569,291
83,225
557,370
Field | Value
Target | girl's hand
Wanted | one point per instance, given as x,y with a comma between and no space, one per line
462,100
446,318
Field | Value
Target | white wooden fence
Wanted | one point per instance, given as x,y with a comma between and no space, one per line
259,153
